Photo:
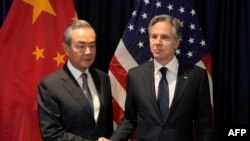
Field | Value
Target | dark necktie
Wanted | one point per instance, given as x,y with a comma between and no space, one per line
86,90
163,94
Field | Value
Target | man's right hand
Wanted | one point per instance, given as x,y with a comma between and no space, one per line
103,139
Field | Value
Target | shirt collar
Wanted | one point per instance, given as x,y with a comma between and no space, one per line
75,72
172,65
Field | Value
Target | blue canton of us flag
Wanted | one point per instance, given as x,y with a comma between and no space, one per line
193,45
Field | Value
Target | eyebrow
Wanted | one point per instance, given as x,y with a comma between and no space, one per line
82,42
154,34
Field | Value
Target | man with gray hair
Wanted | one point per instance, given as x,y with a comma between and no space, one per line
74,103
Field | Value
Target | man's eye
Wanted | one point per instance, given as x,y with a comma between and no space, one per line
154,37
80,46
92,45
164,37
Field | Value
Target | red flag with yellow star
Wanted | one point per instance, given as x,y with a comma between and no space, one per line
31,47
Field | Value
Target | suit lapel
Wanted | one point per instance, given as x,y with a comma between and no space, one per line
182,79
74,90
150,87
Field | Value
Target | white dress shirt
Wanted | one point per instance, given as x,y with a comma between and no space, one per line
77,75
171,76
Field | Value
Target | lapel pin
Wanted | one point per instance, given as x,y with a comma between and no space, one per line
185,77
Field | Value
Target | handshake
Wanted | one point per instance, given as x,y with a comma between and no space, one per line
103,139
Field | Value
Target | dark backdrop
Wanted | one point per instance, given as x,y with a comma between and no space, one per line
226,26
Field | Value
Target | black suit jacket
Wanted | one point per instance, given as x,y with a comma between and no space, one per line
64,113
190,106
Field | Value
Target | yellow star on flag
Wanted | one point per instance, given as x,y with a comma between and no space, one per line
59,58
38,53
39,6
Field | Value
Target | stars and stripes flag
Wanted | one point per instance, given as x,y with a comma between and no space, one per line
31,47
133,48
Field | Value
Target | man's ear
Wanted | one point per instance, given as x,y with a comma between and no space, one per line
178,41
66,49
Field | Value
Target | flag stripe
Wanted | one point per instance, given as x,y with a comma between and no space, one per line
124,57
117,111
118,71
207,61
119,94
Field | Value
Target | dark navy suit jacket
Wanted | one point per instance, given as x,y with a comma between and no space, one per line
190,109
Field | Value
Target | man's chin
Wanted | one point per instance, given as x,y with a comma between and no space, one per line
157,57
86,64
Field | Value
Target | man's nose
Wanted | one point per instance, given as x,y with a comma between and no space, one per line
87,51
159,40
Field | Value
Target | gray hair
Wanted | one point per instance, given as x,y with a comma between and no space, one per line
166,18
74,25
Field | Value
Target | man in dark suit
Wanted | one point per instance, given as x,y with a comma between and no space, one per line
74,102
167,100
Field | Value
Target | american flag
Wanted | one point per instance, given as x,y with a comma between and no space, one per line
133,48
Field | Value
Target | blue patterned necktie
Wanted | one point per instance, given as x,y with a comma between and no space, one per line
163,94
86,90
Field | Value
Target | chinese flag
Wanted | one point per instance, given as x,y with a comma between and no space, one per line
31,47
